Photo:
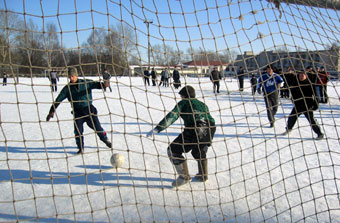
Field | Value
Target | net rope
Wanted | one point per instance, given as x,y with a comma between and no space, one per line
256,174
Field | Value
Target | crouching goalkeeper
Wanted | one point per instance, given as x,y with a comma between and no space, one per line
197,135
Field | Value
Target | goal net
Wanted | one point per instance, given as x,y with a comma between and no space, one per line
256,172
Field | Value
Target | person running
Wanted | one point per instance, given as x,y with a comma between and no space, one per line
305,103
54,78
79,93
106,78
197,135
270,84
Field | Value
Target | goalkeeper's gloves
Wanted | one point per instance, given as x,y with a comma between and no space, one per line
49,116
151,132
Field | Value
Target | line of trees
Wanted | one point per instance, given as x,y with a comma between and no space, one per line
32,50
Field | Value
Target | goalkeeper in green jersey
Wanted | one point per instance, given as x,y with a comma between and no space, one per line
197,135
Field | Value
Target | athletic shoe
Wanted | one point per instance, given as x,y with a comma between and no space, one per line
320,136
286,132
180,181
80,151
108,143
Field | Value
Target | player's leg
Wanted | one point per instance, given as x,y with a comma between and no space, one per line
180,145
93,122
314,124
206,134
269,107
78,132
291,120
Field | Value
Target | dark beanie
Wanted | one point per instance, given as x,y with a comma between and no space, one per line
72,72
188,92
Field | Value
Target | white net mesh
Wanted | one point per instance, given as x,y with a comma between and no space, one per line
255,172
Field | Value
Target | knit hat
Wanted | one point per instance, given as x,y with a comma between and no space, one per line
72,72
187,92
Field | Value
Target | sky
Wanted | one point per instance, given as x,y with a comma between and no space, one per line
208,25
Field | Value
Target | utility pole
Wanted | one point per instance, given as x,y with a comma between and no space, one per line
147,22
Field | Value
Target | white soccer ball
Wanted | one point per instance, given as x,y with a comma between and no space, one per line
117,160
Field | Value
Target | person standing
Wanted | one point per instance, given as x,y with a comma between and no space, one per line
166,77
321,87
162,78
176,77
240,76
54,78
215,78
106,78
146,77
304,103
313,77
270,84
253,83
287,76
153,76
196,137
79,93
4,78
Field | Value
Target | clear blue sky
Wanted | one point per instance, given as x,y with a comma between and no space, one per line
212,25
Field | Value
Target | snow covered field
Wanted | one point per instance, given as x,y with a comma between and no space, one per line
255,173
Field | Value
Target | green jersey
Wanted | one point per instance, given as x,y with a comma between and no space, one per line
190,110
79,93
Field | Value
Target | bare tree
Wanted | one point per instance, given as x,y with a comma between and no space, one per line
31,49
165,55
9,24
52,46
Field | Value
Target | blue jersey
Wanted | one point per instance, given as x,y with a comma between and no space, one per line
268,82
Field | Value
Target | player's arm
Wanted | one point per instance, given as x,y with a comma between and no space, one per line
169,119
58,100
97,85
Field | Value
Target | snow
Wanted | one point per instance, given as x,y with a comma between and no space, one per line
255,173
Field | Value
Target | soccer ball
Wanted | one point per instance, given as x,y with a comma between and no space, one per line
117,160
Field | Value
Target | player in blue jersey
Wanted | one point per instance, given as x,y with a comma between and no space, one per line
270,84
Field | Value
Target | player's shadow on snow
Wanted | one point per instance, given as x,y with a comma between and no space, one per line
61,150
15,218
104,176
12,149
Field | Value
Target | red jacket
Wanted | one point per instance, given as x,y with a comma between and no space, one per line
323,77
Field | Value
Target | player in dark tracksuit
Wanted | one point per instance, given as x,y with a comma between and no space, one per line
305,103
79,93
253,83
270,83
106,78
197,135
215,77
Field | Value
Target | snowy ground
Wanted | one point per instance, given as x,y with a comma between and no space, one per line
255,174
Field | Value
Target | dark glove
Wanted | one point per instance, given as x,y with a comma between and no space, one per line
49,116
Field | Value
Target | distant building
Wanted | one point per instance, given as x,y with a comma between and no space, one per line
191,68
202,67
330,59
